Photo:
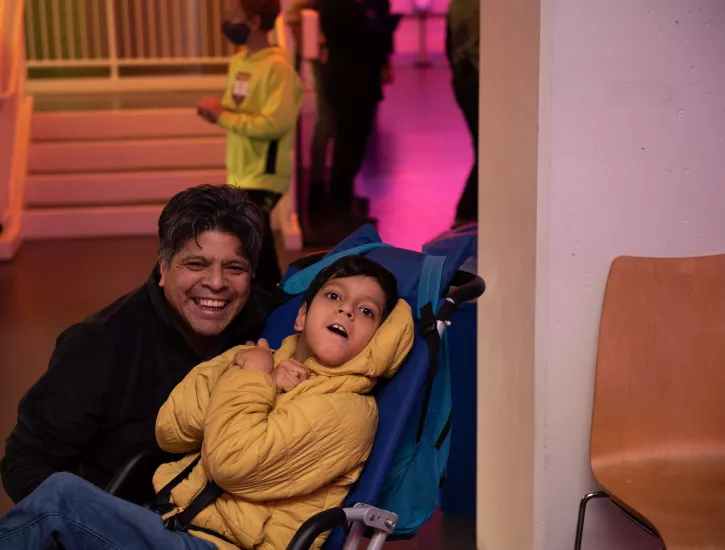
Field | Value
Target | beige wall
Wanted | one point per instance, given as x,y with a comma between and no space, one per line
629,97
636,119
507,259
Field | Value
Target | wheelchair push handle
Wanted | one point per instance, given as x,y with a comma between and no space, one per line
360,517
468,286
315,526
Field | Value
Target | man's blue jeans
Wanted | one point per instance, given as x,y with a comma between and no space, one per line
71,513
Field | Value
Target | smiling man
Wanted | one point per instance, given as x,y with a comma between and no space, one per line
96,405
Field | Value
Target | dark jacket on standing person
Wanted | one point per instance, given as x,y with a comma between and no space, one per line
359,35
463,34
96,406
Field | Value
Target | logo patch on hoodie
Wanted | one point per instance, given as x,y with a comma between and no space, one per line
241,87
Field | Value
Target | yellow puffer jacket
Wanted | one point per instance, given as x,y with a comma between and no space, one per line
280,458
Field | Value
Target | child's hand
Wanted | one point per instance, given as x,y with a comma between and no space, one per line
288,374
259,358
205,116
209,108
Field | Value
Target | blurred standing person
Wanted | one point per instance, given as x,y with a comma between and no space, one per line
324,129
462,39
359,35
259,112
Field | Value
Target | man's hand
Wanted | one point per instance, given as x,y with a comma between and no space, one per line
209,108
288,374
259,358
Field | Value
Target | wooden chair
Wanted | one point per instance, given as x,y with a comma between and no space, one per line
658,428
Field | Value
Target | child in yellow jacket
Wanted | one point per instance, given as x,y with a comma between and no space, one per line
259,112
284,434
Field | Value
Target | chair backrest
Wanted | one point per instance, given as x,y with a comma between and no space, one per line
659,399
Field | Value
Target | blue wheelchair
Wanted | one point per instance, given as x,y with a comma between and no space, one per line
397,398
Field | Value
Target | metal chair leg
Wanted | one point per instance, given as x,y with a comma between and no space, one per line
647,528
582,512
602,494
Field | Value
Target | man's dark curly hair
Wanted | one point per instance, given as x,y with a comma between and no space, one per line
220,208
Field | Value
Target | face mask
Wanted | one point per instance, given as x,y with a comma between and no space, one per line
236,33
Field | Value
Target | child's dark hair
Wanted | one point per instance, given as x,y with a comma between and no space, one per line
267,10
351,266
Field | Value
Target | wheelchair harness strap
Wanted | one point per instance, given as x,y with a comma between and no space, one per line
432,340
181,521
429,289
164,495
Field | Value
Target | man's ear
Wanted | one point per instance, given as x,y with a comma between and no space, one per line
301,316
163,269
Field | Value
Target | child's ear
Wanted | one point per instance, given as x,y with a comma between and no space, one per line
301,316
255,22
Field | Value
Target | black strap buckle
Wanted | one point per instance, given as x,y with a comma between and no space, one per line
174,523
428,322
160,509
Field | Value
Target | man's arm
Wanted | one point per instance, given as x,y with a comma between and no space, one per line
279,114
61,413
260,452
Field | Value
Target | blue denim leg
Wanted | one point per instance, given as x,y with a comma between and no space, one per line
68,512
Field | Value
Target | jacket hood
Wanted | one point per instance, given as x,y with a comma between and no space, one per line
273,50
381,357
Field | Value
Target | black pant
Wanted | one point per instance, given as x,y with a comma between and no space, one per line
267,275
465,87
353,124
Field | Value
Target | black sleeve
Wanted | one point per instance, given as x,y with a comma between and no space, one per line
390,23
61,413
343,23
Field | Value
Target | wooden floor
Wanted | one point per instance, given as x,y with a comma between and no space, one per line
48,286
414,173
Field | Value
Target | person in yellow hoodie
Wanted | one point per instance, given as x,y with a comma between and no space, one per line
259,112
276,436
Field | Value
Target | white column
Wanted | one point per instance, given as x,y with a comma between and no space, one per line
628,158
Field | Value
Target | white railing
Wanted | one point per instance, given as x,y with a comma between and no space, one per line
124,33
11,50
124,39
137,45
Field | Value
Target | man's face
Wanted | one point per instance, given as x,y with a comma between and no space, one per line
207,282
342,319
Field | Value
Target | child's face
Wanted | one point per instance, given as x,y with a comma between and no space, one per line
342,319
